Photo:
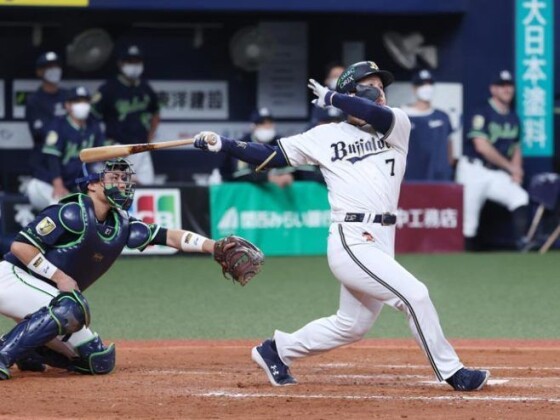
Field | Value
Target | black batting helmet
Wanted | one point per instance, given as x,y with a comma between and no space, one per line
354,73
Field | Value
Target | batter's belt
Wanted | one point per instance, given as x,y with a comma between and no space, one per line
384,219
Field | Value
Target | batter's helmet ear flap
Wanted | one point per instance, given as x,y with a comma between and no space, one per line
354,73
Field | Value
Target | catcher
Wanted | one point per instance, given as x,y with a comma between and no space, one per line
68,247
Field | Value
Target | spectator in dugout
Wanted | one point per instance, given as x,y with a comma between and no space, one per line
430,153
129,107
46,103
59,164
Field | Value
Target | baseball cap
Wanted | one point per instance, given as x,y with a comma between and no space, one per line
504,77
46,59
76,93
261,115
132,52
422,77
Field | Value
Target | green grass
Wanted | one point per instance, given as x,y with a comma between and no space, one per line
494,295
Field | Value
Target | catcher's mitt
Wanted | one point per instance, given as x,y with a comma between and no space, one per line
239,258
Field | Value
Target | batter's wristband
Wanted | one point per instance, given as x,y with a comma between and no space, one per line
192,242
41,266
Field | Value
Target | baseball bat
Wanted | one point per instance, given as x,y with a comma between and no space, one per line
94,154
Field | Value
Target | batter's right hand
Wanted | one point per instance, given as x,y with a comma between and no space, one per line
208,141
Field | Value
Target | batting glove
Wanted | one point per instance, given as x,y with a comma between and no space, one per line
323,94
208,141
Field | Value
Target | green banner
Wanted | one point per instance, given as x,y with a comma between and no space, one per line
281,221
534,49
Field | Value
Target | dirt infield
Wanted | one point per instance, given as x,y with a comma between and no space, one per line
214,380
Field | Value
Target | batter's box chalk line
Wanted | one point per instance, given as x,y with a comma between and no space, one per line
461,397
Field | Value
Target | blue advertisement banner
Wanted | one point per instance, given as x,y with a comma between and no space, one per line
534,23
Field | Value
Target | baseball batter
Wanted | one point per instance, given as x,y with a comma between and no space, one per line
363,162
68,247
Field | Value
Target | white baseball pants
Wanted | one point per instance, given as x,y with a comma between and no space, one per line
369,278
40,194
22,294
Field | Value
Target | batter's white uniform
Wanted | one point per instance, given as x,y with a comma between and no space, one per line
363,173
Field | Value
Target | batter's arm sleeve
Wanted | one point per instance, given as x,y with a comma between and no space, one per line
254,153
378,116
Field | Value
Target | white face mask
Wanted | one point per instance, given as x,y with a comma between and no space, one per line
133,71
80,110
331,84
53,75
425,93
264,135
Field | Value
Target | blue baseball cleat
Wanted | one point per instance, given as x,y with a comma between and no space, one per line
468,379
267,358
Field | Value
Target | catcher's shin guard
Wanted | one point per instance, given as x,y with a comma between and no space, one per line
95,358
67,313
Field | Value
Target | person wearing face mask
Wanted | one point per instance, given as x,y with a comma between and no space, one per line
59,163
263,131
46,103
129,107
430,154
330,114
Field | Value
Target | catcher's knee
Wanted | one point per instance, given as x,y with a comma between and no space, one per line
95,358
70,310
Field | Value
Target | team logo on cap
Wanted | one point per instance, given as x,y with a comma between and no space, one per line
51,56
373,65
264,112
505,75
425,74
81,91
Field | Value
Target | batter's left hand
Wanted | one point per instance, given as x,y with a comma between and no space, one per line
323,93
208,141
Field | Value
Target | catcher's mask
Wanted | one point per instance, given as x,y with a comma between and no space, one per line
116,177
348,80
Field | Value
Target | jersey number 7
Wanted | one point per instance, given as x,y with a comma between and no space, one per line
392,162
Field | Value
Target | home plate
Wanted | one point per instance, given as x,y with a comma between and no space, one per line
490,382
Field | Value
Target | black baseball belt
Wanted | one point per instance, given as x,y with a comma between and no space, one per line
385,219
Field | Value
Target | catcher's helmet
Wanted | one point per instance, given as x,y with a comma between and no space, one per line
354,73
113,174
